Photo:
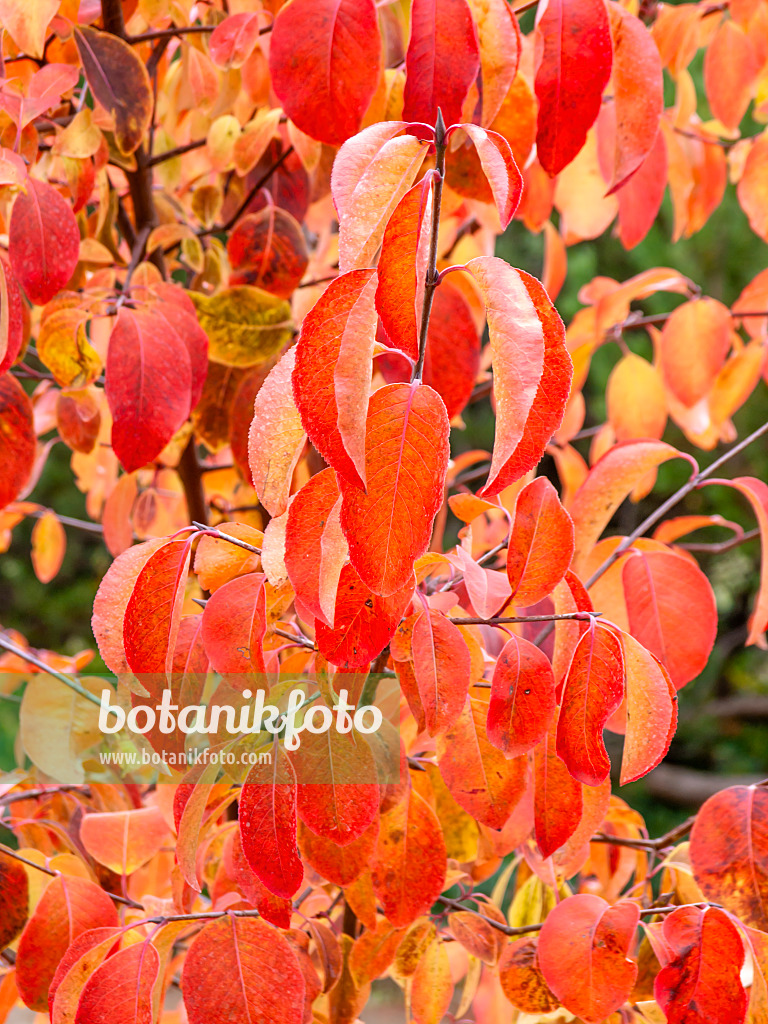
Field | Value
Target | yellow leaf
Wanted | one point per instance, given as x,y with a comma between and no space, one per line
57,725
63,347
27,23
49,542
244,325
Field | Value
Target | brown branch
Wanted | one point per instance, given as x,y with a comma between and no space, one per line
668,839
498,620
169,33
299,639
432,278
169,154
220,535
192,480
33,794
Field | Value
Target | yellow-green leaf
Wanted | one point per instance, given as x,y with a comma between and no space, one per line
245,325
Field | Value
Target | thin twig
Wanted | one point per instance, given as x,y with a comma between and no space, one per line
432,278
303,641
33,794
661,843
39,663
250,197
169,33
169,154
210,531
725,545
502,619
55,874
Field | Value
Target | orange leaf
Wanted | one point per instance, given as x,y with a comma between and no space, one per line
276,438
729,852
234,626
701,984
408,867
540,543
638,92
153,612
14,898
499,37
583,949
752,189
124,840
575,41
522,701
324,59
17,454
332,375
267,250
121,988
481,779
68,907
757,492
558,801
521,978
341,865
637,404
441,665
432,985
641,195
240,969
593,690
671,610
731,65
499,168
651,711
532,369
49,543
406,459
694,343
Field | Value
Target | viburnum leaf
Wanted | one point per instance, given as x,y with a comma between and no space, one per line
488,589
337,791
153,611
315,547
363,624
499,168
441,665
431,985
276,438
593,690
341,865
43,241
332,374
49,544
610,481
558,801
324,58
651,710
408,866
68,907
575,66
531,367
701,981
729,852
174,306
406,457
731,65
11,317
671,611
149,385
267,817
234,626
481,779
246,326
83,956
28,27
267,250
234,39
402,268
119,80
17,454
521,979
522,703
240,969
14,898
124,840
636,400
694,343
638,92
540,543
122,987
641,195
499,40
442,60
371,174
583,954
756,491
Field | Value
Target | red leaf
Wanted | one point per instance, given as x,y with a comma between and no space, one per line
638,92
558,801
701,984
499,168
332,375
442,60
153,612
583,949
452,358
17,454
324,58
408,867
234,625
441,665
671,610
239,970
729,852
341,865
757,493
267,250
14,898
640,196
575,68
540,543
315,548
267,818
43,241
11,317
406,458
179,313
531,368
481,779
275,909
276,437
234,39
594,689
522,701
402,268
149,385
364,622
120,989
342,800
500,45
67,908
651,714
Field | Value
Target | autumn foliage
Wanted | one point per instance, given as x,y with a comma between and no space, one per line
248,279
